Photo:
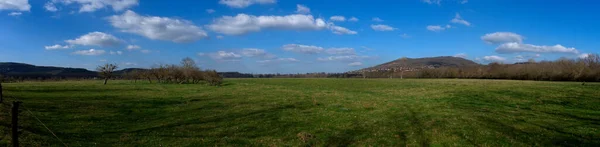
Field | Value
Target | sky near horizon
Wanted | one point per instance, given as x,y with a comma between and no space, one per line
292,36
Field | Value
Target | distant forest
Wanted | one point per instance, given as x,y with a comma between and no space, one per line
584,69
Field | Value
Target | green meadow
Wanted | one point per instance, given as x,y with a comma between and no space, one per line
307,112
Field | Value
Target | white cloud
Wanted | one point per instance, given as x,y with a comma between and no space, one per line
341,30
459,20
494,59
502,37
253,52
583,56
304,49
245,3
381,27
93,5
133,47
210,11
17,5
347,58
14,14
461,55
405,36
437,28
438,2
337,18
225,56
278,60
57,47
243,23
220,37
353,19
201,54
49,6
302,9
96,38
91,52
355,64
464,1
158,28
514,47
377,19
145,51
116,53
341,51
129,64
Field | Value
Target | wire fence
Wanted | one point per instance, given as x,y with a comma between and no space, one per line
35,117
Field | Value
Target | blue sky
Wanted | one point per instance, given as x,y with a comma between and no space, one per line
292,36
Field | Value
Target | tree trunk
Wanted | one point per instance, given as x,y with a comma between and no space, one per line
402,75
105,80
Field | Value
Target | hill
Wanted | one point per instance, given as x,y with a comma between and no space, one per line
32,71
422,63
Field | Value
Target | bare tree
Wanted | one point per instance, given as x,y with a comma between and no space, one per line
106,71
403,65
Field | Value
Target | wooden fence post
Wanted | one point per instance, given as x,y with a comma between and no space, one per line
1,96
15,123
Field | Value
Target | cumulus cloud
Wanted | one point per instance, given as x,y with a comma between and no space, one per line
381,27
459,20
304,49
514,47
91,52
341,30
337,18
210,11
116,53
245,3
377,19
253,52
437,28
279,60
93,5
220,37
340,51
461,55
502,37
405,36
49,6
57,47
583,56
494,59
96,38
133,47
243,23
302,9
17,5
438,2
346,58
355,64
225,56
146,51
14,14
158,28
353,19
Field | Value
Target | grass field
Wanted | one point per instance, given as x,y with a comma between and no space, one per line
299,112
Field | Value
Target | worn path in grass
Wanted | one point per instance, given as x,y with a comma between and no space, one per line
297,112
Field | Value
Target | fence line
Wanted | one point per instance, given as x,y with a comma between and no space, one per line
40,121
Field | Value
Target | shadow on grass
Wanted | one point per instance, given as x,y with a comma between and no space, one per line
533,127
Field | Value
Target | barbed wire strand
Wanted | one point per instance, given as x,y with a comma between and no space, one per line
36,118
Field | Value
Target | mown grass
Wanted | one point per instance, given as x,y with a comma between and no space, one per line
304,112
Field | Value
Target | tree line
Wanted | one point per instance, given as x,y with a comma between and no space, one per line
185,73
563,69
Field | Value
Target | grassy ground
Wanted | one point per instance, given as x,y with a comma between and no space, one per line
298,112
